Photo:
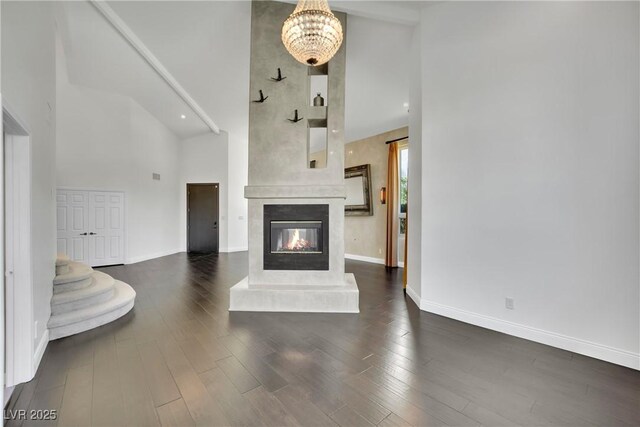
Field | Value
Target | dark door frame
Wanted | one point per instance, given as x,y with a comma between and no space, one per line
200,184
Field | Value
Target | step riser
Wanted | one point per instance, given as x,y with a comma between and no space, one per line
85,299
62,259
62,269
72,286
77,272
85,325
100,283
123,295
83,303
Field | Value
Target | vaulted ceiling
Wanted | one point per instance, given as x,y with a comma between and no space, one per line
205,46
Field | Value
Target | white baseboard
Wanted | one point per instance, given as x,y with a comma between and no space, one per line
412,294
370,259
42,346
237,249
364,258
576,345
133,260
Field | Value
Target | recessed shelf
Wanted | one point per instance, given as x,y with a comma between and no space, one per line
317,135
317,148
317,113
317,123
318,86
320,70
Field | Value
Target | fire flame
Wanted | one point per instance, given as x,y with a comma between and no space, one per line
295,243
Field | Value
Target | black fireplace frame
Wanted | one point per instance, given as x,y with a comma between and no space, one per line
296,261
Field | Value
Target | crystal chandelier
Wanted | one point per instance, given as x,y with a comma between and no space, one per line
312,34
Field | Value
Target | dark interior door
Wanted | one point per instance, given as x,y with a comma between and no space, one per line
202,218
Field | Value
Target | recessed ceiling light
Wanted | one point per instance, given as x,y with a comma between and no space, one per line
182,116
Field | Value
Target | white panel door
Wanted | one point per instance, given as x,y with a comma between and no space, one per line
91,226
106,228
72,212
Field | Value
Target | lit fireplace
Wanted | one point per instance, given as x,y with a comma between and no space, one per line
296,237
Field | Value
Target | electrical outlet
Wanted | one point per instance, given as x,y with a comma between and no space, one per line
379,251
509,303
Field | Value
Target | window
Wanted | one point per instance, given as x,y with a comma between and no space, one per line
404,168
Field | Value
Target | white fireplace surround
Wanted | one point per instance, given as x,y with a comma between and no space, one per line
330,291
296,195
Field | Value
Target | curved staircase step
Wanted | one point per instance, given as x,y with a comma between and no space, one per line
77,272
62,259
73,322
99,291
72,286
62,269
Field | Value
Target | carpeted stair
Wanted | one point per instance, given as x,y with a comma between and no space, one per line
84,299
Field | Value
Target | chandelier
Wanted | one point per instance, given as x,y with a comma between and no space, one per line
312,34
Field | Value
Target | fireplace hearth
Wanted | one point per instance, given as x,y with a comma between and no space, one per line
296,237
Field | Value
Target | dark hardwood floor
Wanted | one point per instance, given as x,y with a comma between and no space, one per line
180,358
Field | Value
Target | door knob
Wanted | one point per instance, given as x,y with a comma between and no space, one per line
83,234
92,234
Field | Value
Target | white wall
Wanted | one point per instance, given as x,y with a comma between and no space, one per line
376,85
414,244
203,159
28,83
107,141
530,170
206,46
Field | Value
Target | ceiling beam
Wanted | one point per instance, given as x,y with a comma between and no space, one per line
114,19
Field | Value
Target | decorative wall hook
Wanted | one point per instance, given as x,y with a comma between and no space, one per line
279,78
262,97
295,118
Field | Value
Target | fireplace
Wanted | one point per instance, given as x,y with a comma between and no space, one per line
296,237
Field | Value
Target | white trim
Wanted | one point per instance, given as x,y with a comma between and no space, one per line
147,257
576,345
42,346
370,259
364,259
236,249
413,295
5,391
14,125
16,219
127,33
